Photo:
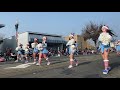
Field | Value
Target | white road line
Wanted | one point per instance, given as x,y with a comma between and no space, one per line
20,66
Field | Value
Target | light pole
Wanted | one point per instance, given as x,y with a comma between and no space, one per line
2,25
16,28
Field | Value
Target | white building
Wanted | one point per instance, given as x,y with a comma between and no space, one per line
53,41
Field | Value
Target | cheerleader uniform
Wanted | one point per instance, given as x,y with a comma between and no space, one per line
20,50
35,49
104,45
105,40
27,50
44,45
71,46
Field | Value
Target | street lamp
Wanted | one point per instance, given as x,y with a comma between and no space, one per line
2,25
16,25
16,28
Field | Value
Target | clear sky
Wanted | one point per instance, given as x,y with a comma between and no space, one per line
61,23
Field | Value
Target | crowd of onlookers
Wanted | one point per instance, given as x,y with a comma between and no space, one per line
10,55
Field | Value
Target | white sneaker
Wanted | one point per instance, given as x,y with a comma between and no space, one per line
48,63
70,66
76,64
38,64
16,61
34,62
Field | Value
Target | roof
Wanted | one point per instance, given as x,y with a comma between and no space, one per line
46,34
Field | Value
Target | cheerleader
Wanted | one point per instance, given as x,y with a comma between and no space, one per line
43,51
20,52
105,39
27,52
35,49
71,49
117,44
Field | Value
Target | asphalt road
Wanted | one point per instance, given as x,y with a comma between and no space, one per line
90,66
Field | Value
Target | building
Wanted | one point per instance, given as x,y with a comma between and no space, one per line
82,44
53,41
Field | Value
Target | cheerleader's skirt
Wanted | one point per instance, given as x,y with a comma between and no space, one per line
44,51
102,48
72,51
35,50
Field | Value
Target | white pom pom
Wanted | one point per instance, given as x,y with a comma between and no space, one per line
40,47
17,48
73,46
33,45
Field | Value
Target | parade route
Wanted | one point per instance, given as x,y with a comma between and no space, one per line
90,66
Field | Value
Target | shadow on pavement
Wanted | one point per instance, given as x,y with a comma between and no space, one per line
115,65
93,76
84,63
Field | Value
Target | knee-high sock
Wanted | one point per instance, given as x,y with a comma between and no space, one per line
71,61
106,64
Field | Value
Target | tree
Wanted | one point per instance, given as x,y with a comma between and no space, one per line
92,31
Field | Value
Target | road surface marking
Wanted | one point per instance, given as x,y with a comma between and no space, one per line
20,66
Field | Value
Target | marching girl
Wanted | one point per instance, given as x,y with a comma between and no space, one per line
118,47
20,52
35,49
27,52
105,39
43,51
71,49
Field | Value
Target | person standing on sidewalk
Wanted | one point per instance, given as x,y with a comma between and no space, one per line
42,47
72,49
35,50
105,39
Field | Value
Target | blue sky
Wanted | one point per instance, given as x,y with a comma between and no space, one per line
61,23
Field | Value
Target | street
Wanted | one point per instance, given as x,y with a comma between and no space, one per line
90,66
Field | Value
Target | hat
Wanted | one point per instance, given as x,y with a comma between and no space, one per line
105,27
71,35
